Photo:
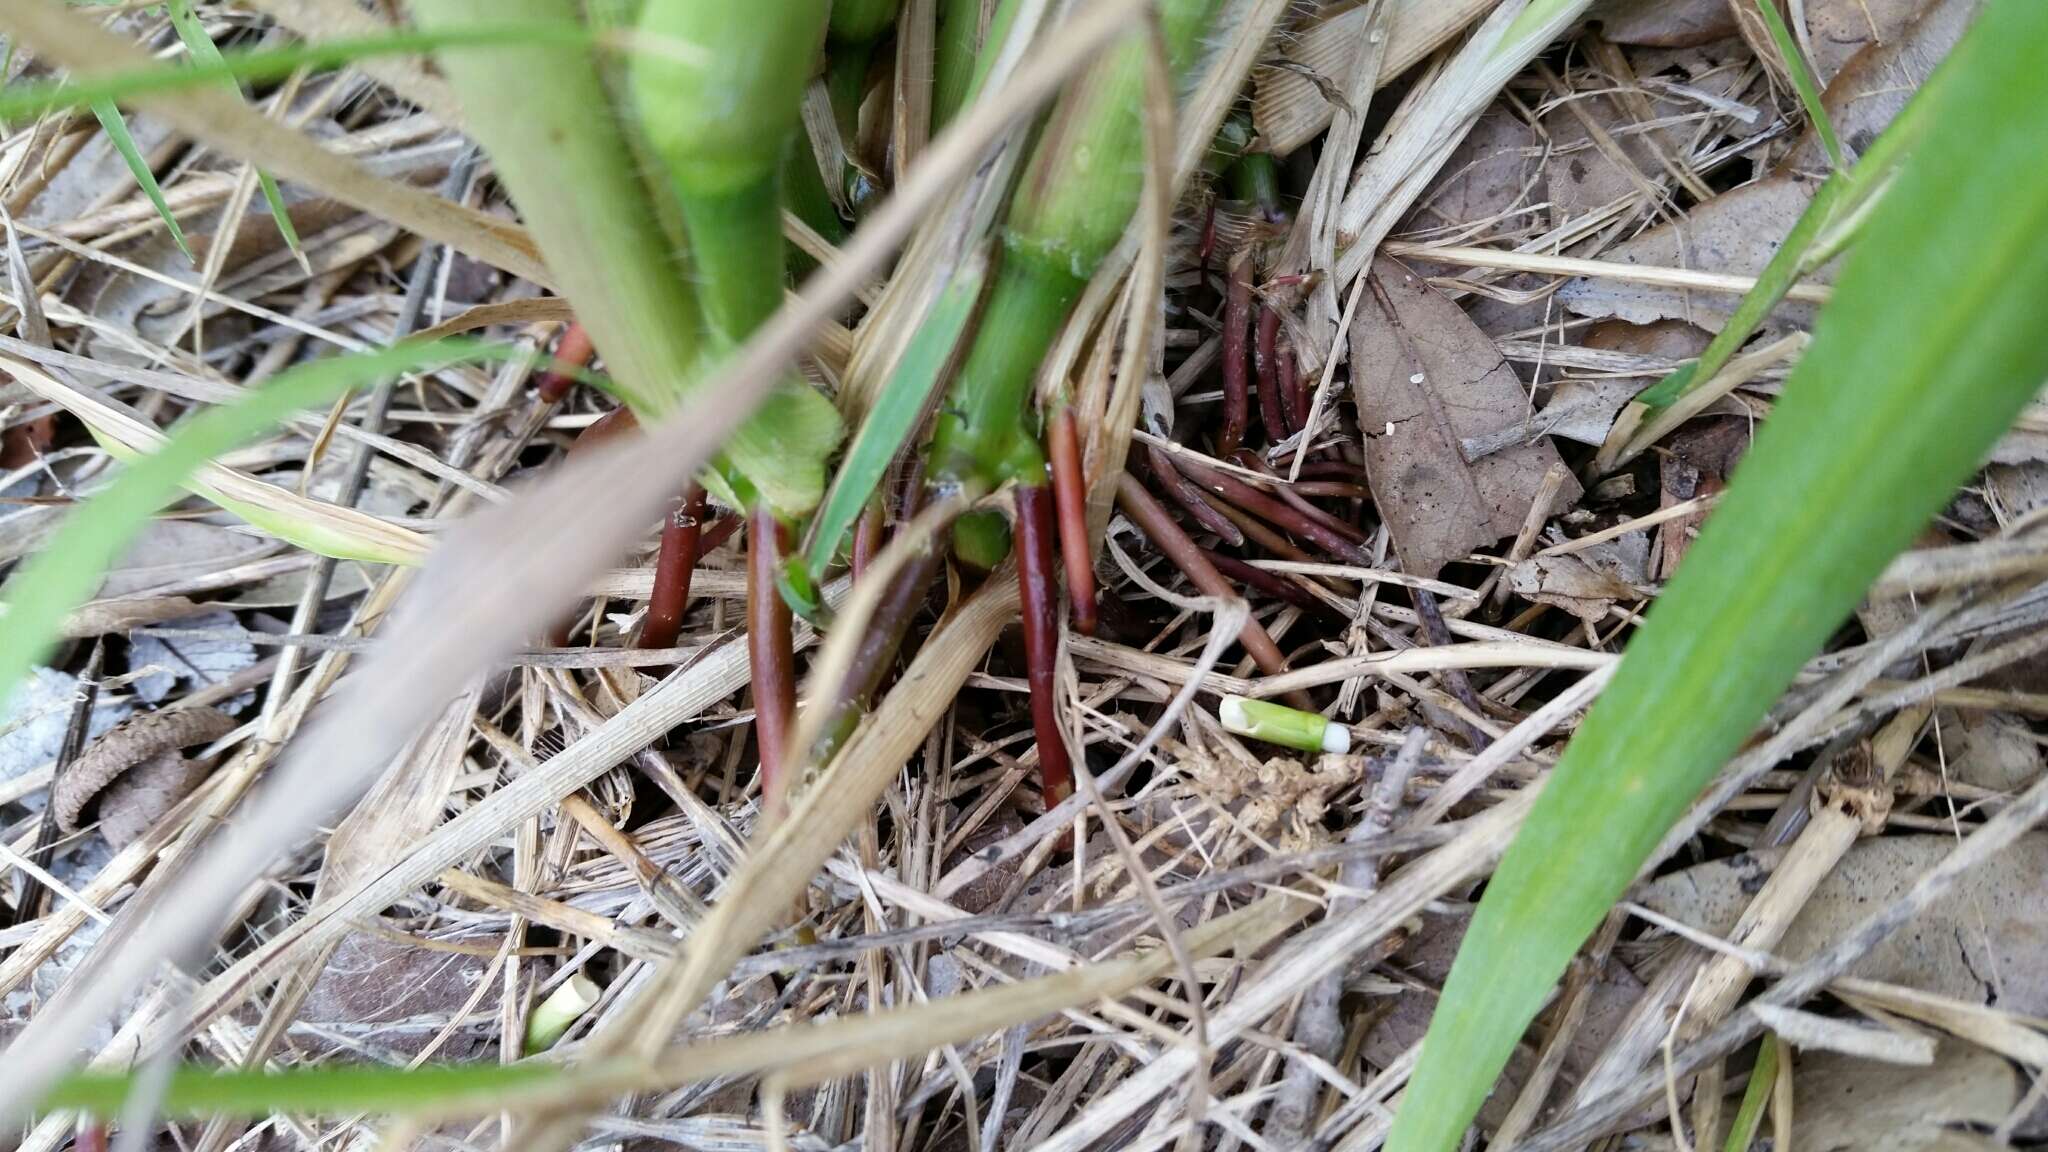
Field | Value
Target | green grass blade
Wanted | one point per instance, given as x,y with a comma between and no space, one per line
68,569
205,52
1927,351
322,1090
1750,1115
894,417
277,63
1802,81
117,131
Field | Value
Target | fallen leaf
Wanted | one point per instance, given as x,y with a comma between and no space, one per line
198,660
1982,944
1878,80
1837,30
1427,958
1570,583
133,773
32,732
1663,23
1990,750
1583,409
169,551
1426,378
1699,460
1840,1103
1735,233
390,996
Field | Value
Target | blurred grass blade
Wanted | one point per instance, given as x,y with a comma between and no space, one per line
315,525
318,1090
1803,81
117,131
896,412
206,53
277,63
1929,348
69,568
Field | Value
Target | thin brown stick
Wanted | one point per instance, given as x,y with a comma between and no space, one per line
771,656
1039,594
1070,491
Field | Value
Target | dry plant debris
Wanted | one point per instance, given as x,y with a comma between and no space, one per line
1409,476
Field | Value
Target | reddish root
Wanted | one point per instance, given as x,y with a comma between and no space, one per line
1300,502
1035,568
674,565
1188,496
771,657
1152,519
1342,543
1237,317
572,353
1070,493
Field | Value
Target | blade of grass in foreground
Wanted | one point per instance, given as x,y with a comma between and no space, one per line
64,574
117,132
895,414
277,63
1929,348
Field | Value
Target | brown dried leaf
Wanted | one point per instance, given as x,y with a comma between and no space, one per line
1877,82
137,743
1663,23
1983,945
1570,583
1841,1103
1288,104
1736,232
372,985
1837,30
1426,378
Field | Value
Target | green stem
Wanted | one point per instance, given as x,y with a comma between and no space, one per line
736,249
958,55
982,433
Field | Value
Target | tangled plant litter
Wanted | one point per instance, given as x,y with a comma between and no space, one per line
654,156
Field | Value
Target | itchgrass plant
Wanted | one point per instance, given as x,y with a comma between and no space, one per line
1923,356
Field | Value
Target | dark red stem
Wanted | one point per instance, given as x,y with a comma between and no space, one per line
1183,492
681,539
771,656
572,352
1070,493
867,537
1237,317
1277,512
1273,584
1299,502
1293,392
1035,580
1158,527
1265,358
